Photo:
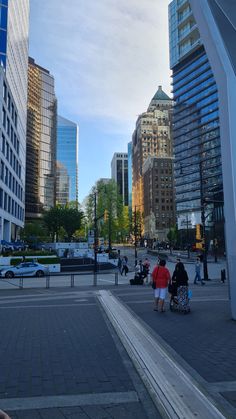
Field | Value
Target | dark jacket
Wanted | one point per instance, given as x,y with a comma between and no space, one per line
180,278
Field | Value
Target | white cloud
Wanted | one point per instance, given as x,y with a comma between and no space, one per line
107,56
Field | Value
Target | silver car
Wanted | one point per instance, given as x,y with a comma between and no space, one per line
24,269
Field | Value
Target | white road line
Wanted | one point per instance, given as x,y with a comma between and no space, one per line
46,306
171,387
48,402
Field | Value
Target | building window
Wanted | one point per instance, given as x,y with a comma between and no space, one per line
4,117
8,126
5,201
6,176
12,111
2,170
3,145
9,102
9,205
4,91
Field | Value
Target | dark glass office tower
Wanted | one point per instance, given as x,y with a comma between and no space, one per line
196,134
119,172
41,142
67,158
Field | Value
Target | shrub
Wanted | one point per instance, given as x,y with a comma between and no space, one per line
43,261
33,253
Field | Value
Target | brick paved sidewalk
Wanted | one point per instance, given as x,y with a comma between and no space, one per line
60,344
204,341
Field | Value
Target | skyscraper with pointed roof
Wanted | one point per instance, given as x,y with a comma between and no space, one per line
152,138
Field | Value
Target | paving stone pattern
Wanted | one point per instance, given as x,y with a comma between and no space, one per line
61,350
205,339
120,411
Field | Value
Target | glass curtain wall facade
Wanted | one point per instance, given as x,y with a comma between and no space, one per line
119,172
14,28
196,134
67,158
41,142
130,176
62,185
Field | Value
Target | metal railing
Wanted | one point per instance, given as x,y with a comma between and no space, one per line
67,280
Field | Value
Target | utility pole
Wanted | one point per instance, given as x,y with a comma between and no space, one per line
109,231
188,239
95,239
135,236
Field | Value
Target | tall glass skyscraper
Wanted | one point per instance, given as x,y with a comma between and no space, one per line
196,134
67,159
14,27
41,142
119,172
130,176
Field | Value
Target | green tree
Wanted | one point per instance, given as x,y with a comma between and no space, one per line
34,232
60,219
111,214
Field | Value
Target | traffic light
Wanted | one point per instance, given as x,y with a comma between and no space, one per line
106,215
198,232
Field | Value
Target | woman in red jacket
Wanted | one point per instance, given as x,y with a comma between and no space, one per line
160,278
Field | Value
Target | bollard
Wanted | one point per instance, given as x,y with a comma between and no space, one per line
21,283
223,275
72,280
95,279
116,278
47,281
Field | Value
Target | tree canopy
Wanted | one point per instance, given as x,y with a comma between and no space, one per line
60,217
111,213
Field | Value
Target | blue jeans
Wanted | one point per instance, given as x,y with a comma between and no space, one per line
197,277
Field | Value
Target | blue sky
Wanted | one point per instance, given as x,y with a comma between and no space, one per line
108,58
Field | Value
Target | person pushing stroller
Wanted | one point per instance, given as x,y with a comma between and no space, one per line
179,289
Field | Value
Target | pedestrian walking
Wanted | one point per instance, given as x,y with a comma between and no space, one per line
139,270
125,268
179,288
198,268
160,280
146,268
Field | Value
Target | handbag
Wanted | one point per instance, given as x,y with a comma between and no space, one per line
154,282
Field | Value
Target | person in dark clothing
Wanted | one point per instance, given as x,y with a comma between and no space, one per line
179,290
180,276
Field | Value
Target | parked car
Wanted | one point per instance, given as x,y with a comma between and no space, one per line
24,269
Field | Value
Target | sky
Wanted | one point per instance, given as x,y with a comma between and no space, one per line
108,58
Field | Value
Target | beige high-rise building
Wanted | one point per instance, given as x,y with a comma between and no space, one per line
152,138
41,142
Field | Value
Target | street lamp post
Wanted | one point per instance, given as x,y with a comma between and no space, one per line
135,236
95,239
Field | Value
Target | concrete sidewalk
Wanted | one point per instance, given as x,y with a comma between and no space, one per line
203,342
61,356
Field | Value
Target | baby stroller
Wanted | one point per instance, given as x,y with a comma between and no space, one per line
179,300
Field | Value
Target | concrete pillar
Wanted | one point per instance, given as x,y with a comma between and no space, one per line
216,20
